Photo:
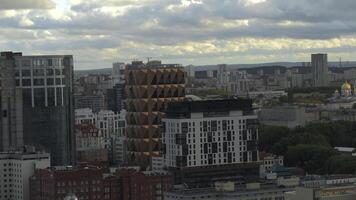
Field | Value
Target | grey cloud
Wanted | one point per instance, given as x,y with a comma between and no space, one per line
26,4
323,19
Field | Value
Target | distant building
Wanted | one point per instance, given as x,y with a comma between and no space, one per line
111,127
268,161
340,192
149,88
115,97
267,94
90,144
213,139
288,116
118,73
227,191
95,102
37,104
15,171
116,94
320,70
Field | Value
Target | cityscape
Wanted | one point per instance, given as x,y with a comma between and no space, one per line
112,114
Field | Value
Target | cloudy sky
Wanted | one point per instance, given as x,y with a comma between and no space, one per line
99,32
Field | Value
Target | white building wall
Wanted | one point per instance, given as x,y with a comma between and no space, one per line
15,171
197,138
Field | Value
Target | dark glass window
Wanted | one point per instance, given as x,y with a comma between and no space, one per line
51,96
38,72
59,96
58,81
49,72
38,82
26,72
26,82
50,81
39,97
27,96
58,71
49,62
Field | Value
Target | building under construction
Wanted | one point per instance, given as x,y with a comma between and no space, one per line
149,89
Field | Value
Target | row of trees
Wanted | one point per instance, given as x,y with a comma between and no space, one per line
312,147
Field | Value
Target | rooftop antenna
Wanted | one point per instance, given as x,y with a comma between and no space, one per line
340,63
148,59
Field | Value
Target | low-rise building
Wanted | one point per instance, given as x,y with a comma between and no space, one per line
93,182
268,161
288,116
227,191
85,183
90,144
345,192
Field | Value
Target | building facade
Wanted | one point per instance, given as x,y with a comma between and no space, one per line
86,183
90,144
111,127
90,183
210,138
15,171
37,104
149,88
320,70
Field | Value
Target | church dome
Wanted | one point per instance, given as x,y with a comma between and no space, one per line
71,197
346,86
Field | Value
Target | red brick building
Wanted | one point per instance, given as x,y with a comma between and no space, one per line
87,183
143,185
94,183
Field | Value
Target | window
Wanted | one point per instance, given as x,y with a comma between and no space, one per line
38,72
26,73
49,72
58,81
38,82
50,81
49,62
26,82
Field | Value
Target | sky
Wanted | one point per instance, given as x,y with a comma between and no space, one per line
199,32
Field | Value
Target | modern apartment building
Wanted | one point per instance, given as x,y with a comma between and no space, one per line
149,88
37,104
203,140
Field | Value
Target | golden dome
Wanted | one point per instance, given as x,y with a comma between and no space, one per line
346,86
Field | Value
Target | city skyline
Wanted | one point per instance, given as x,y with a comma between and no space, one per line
179,31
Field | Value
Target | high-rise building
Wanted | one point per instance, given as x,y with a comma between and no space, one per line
320,70
37,104
118,72
149,88
15,171
115,97
212,139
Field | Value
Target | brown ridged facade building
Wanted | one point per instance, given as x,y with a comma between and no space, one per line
149,89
